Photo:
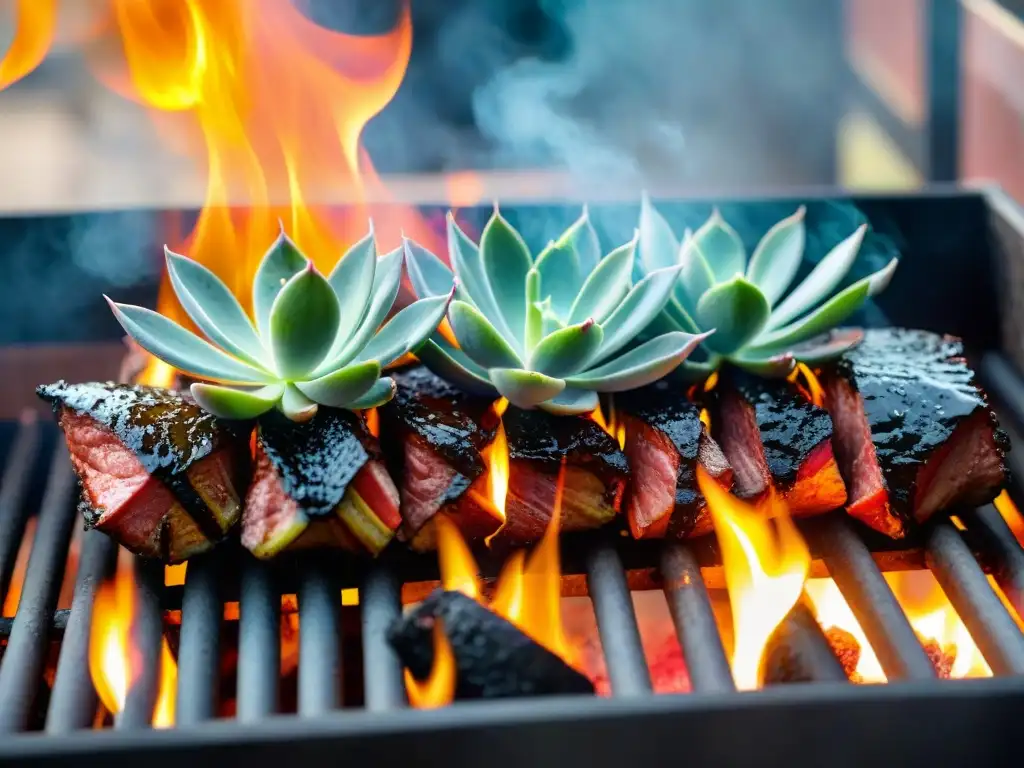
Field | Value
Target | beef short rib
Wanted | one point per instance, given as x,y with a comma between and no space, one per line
913,433
159,475
665,440
771,433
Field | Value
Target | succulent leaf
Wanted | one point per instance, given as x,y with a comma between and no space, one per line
340,388
407,329
828,315
181,348
303,321
776,259
467,262
772,367
583,237
428,274
296,406
240,404
572,401
641,305
737,310
479,339
381,392
453,364
214,309
823,279
643,365
506,261
880,280
721,246
525,389
280,263
822,349
606,286
659,247
560,275
696,277
568,350
352,282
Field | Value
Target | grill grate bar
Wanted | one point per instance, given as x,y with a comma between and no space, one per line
799,651
13,490
199,649
983,613
22,666
872,601
997,539
147,637
694,620
319,646
381,603
259,642
73,699
616,623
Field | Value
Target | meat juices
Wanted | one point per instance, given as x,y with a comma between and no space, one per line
159,475
913,433
772,434
321,483
665,440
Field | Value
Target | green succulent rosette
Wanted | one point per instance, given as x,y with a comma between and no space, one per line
549,332
763,323
313,339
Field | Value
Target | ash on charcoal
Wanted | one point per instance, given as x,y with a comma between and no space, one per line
846,648
493,658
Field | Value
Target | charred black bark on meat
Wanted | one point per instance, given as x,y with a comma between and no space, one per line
493,658
456,425
166,430
318,459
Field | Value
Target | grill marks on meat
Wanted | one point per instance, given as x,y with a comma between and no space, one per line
159,475
771,434
665,440
318,484
913,433
433,435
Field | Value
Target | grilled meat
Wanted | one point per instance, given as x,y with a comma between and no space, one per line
772,434
318,484
913,433
433,435
665,440
159,475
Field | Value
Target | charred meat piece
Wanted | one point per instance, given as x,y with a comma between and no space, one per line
493,658
596,474
318,484
772,434
913,433
159,474
665,440
433,436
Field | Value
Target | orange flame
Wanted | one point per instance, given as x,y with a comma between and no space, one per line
612,424
765,565
527,594
495,458
808,383
114,662
1009,512
33,36
931,615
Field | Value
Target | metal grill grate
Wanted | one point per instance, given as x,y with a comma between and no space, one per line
960,561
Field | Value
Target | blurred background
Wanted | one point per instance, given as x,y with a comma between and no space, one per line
704,95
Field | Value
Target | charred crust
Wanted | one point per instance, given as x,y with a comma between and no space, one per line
543,438
166,430
316,460
456,425
790,426
916,388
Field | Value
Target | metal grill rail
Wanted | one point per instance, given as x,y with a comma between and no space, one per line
73,702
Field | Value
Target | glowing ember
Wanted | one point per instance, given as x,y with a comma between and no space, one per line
1009,512
372,421
33,36
933,618
114,662
766,563
527,594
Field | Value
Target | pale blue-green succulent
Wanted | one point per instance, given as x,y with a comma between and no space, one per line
761,323
549,332
316,340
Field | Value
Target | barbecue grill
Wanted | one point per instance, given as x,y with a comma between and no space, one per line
963,256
